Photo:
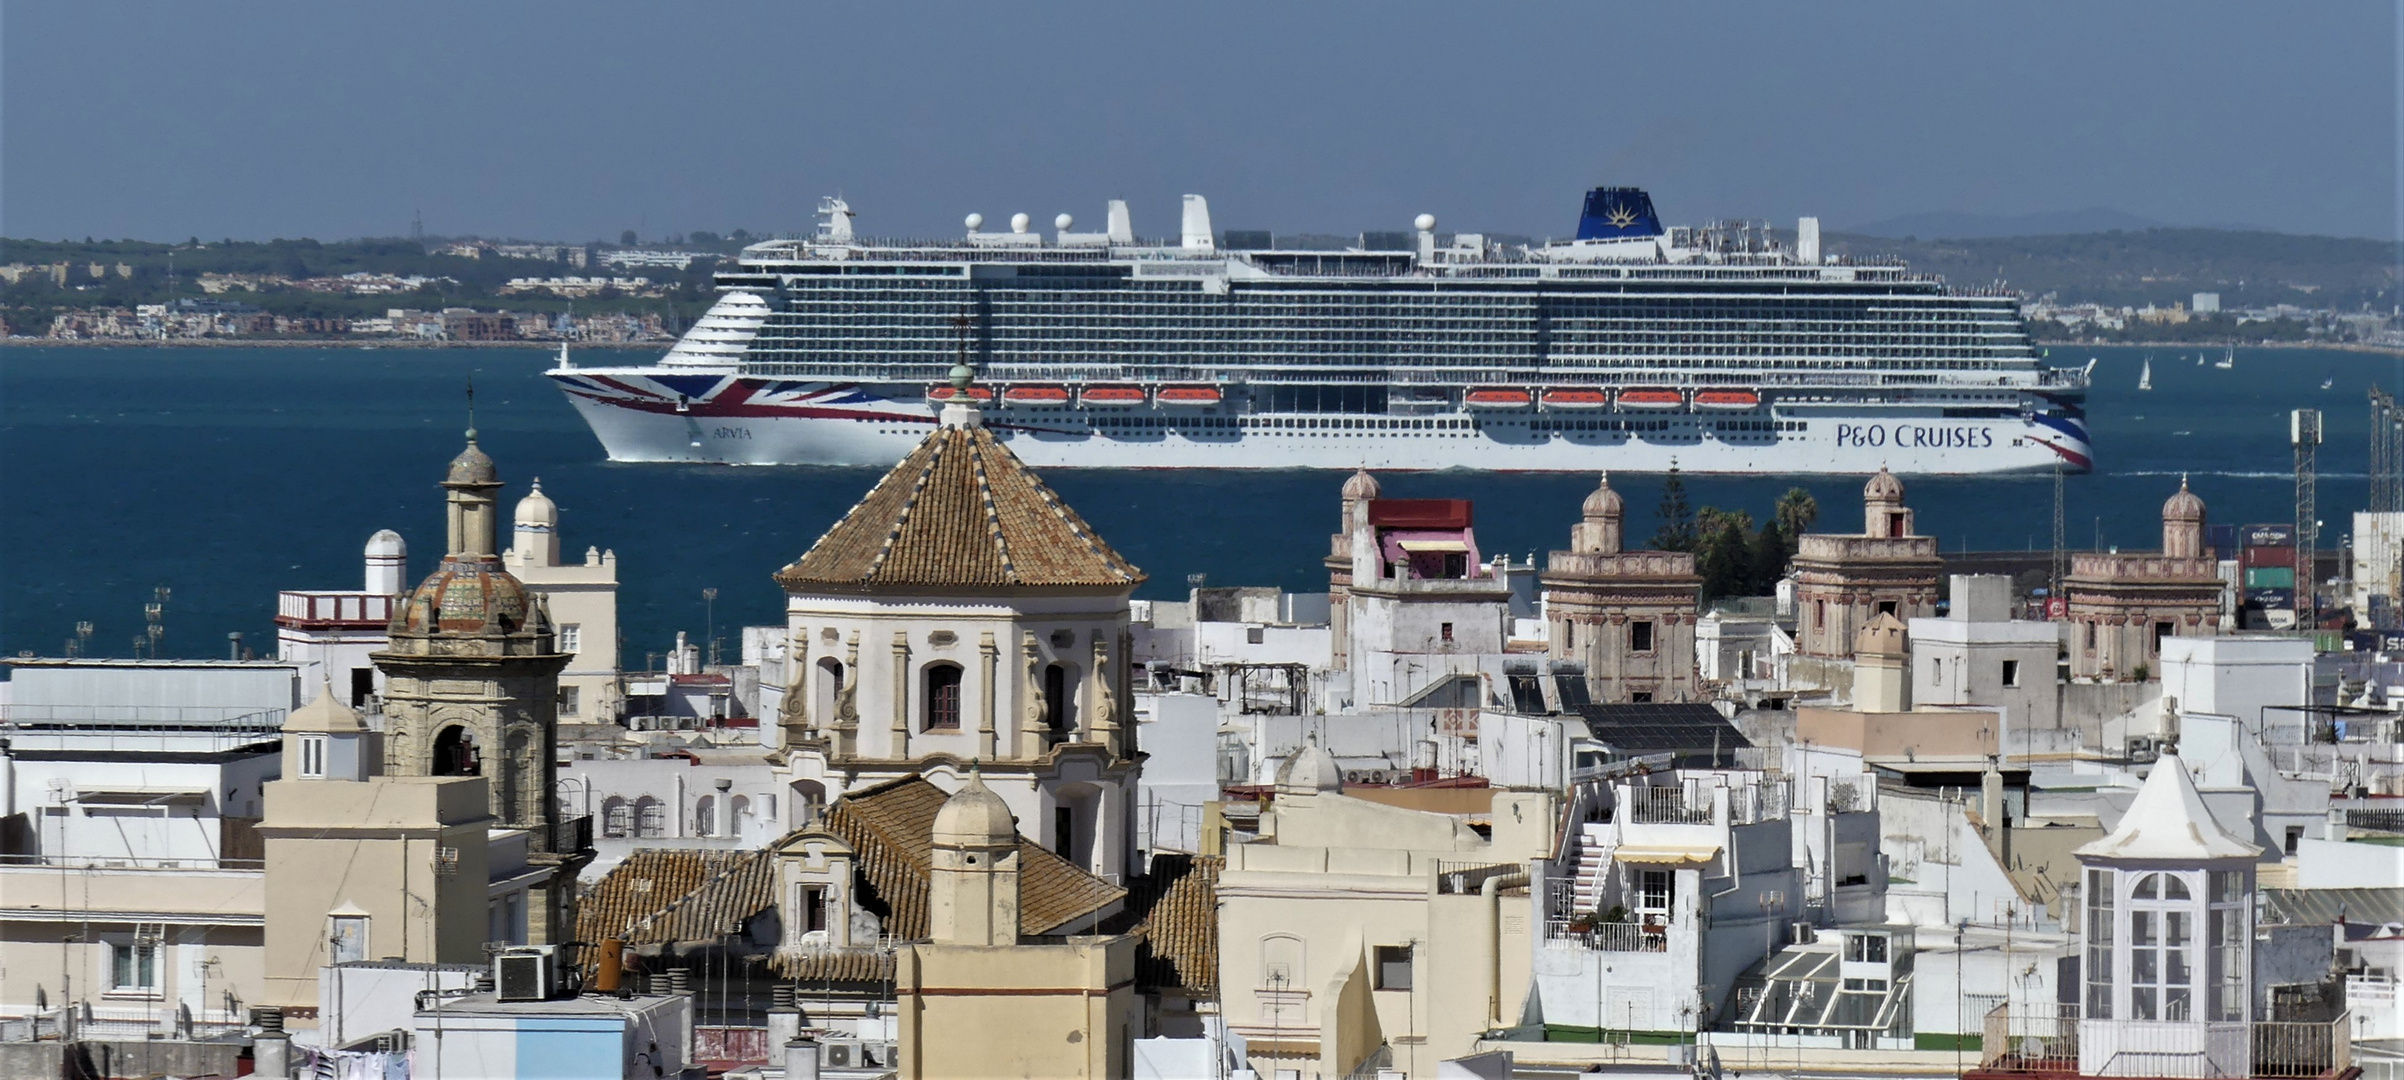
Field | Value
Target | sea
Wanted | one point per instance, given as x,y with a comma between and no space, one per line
216,477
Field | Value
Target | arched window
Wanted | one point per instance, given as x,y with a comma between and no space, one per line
514,764
455,753
737,809
1056,704
2161,948
822,694
705,813
942,698
616,820
650,817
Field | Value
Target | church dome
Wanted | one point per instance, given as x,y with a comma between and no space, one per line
1309,771
467,596
975,817
1605,502
2183,506
537,508
1361,485
472,466
1883,488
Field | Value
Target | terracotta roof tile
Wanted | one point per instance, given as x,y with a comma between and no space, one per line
891,828
960,510
1180,923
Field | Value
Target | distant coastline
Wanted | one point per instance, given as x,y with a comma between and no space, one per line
2329,346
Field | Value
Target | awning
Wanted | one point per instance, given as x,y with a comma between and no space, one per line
1416,546
141,795
1657,854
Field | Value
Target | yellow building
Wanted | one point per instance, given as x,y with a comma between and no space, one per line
582,598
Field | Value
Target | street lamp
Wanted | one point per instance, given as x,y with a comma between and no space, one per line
709,597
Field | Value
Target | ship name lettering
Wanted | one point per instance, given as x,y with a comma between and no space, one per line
1915,435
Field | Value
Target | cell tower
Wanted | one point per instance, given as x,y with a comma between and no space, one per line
2304,430
2057,570
2387,453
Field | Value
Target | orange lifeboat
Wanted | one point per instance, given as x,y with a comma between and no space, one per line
1024,394
941,393
1187,395
1576,397
1651,398
1497,397
1727,399
1111,395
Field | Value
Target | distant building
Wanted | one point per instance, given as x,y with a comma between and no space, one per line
2122,605
1626,617
583,601
1844,581
2206,303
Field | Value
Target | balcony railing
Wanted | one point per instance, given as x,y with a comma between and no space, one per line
1669,806
2048,1042
570,835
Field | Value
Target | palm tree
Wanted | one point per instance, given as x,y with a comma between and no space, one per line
1795,514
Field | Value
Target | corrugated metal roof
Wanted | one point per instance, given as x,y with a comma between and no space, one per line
2312,907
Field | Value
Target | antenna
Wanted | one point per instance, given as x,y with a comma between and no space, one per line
2304,430
2053,587
471,406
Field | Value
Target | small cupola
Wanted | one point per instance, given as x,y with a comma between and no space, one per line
325,740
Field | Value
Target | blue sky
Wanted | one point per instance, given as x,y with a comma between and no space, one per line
574,121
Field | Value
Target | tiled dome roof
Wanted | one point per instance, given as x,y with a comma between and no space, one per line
960,512
466,596
1361,485
472,466
1883,488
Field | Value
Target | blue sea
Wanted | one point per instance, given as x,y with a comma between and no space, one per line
227,474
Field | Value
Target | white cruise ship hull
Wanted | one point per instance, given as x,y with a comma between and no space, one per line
724,419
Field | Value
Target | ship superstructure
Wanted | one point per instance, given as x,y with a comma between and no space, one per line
1721,349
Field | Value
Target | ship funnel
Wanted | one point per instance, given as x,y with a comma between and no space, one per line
1197,224
1120,228
1807,241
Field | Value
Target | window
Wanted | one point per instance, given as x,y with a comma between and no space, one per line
2295,836
813,908
2231,938
2162,630
2011,673
1887,607
1064,832
1866,948
1640,697
1394,967
134,967
1655,889
1640,636
1254,635
1055,698
348,936
1819,614
617,820
1445,631
942,697
313,756
363,684
569,699
2090,637
650,817
571,637
705,815
2161,923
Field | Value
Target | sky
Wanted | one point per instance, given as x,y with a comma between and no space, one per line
564,121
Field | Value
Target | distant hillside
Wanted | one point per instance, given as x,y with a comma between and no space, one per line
1988,226
2157,266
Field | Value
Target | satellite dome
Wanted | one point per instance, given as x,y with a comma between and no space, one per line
975,222
1019,222
1063,222
1424,223
388,544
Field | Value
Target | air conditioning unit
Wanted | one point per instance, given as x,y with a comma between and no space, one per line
2144,748
840,1054
526,973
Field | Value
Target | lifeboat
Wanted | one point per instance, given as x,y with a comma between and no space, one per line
1111,395
1726,399
1651,398
1188,394
941,393
1497,397
1037,394
1576,397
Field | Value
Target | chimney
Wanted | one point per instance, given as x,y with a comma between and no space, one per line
1120,228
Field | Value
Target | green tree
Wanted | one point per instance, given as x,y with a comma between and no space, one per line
626,239
1677,531
1795,514
1723,552
1770,554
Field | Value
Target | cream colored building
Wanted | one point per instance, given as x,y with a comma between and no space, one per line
962,612
1627,616
2122,605
362,866
471,678
1842,581
1353,930
975,1000
583,601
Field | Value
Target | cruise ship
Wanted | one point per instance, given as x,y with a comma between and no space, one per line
1723,348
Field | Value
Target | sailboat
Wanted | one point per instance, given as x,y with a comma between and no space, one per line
2199,359
2145,377
2328,382
2227,362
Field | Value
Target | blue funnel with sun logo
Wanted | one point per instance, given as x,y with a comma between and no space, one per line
1618,213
